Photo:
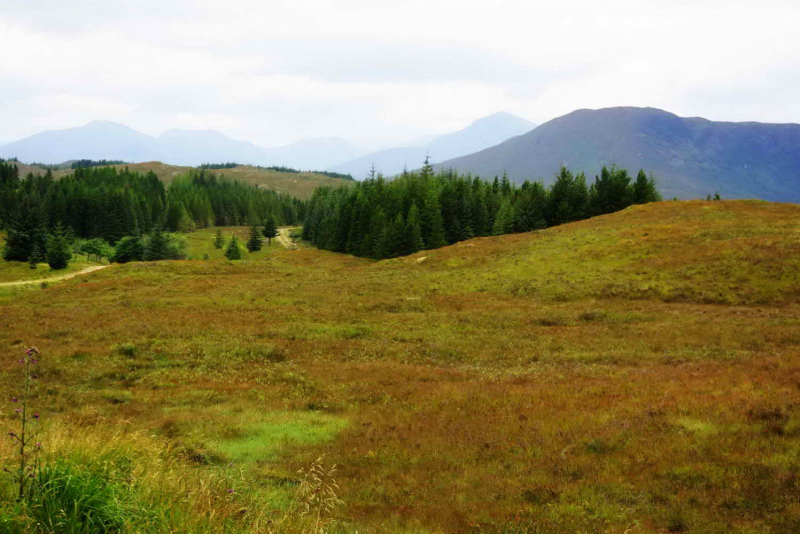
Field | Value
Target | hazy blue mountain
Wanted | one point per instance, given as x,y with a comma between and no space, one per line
109,140
194,147
482,133
96,140
313,154
690,157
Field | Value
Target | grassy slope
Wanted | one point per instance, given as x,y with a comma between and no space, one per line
300,185
585,377
12,271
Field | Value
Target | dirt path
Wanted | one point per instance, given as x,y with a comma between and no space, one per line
54,278
284,239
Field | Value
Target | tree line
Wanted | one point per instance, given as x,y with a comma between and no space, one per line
103,204
277,168
425,210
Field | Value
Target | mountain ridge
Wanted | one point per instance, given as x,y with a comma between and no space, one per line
690,157
481,133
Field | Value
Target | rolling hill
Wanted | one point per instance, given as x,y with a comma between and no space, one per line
483,133
690,157
300,184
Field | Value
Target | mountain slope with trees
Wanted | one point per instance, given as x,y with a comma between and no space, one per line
692,157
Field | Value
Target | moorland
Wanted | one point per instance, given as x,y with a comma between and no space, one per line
634,372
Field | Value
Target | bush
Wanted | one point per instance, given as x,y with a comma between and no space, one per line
128,249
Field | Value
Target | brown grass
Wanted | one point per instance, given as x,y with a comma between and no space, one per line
636,371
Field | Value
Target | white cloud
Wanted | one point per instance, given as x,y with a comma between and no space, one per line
373,71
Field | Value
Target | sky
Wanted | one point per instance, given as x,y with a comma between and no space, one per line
379,73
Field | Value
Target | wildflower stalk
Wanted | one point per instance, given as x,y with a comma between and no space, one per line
25,472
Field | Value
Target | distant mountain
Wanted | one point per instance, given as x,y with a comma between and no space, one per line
194,147
313,154
96,140
112,141
690,157
482,133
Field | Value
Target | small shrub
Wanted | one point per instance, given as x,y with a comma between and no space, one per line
593,316
72,499
126,349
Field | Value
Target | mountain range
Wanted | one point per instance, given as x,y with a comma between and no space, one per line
481,134
690,157
113,141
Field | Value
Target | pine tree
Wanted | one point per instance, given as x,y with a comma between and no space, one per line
58,250
504,222
233,252
254,242
413,234
36,256
219,241
433,233
270,229
157,247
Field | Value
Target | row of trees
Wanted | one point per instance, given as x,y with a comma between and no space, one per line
108,204
277,168
423,210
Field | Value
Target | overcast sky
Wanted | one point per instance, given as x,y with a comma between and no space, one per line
377,72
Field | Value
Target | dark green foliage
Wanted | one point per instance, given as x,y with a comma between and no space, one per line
86,163
219,241
58,249
157,247
103,202
36,257
383,219
277,168
644,189
233,252
26,229
412,232
254,242
128,249
270,229
611,191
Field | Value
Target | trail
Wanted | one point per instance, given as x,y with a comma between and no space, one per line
54,278
284,239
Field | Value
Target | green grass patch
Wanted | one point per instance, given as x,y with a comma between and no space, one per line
263,440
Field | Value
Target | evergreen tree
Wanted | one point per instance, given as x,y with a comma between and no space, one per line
504,222
644,189
413,233
433,233
233,252
219,241
270,229
58,250
254,243
36,256
378,218
157,247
